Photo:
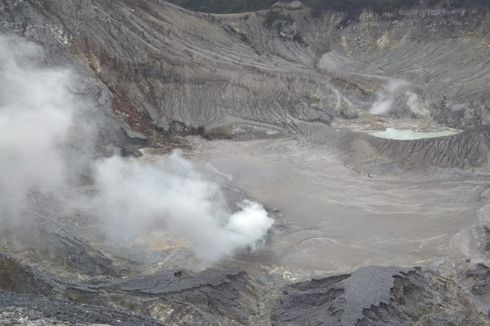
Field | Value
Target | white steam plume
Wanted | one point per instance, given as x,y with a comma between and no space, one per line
137,196
38,119
34,122
387,98
413,102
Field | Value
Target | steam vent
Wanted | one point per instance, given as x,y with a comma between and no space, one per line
245,162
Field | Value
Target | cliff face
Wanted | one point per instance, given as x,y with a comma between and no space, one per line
168,69
269,73
444,54
466,150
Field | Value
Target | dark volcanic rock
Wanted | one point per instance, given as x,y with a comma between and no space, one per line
481,274
369,296
174,297
209,297
48,311
16,277
72,254
378,296
475,278
51,248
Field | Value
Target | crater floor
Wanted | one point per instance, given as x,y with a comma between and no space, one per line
334,219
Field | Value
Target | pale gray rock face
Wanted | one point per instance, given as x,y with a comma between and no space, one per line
177,72
465,150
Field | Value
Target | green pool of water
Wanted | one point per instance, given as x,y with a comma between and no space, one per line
407,134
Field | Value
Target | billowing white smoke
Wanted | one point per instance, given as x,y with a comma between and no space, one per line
136,195
386,98
37,116
34,121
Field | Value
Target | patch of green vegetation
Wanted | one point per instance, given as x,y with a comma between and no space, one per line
348,6
356,6
460,3
353,7
224,6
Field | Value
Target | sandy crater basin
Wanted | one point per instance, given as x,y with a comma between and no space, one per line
336,220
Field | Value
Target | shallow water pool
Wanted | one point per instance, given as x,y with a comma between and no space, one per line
407,134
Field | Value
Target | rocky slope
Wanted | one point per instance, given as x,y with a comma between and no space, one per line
378,296
266,73
467,150
368,296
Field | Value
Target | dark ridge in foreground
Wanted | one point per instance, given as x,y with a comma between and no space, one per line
172,297
378,296
24,309
369,296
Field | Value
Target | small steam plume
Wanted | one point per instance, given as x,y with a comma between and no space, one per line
395,93
39,118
